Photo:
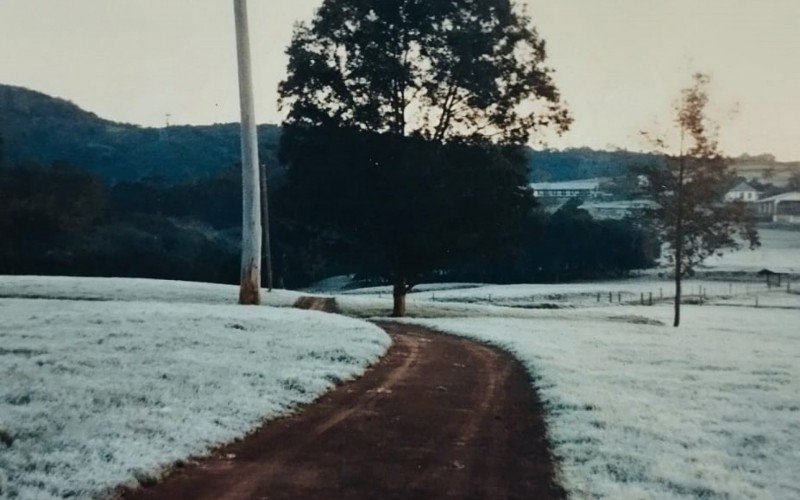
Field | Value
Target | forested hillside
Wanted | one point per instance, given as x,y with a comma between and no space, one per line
37,128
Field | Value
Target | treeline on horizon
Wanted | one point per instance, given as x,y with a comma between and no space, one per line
65,220
37,128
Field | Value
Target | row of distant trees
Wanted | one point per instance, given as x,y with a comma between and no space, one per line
64,220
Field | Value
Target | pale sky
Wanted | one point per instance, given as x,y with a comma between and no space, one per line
619,63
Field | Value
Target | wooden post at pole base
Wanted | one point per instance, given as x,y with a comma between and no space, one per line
250,285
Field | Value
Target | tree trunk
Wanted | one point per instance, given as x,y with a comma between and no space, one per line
265,226
679,238
678,270
250,284
399,294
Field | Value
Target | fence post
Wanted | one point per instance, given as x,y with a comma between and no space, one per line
641,299
619,297
598,296
650,299
610,297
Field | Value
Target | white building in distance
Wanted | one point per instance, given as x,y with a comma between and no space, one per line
742,192
783,207
583,188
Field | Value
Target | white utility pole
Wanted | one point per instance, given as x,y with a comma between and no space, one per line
250,285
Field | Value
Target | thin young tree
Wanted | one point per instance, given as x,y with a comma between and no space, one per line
467,71
250,283
689,190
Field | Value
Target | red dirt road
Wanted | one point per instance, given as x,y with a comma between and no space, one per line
438,417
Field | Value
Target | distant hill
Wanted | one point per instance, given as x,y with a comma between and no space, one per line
584,163
765,168
38,128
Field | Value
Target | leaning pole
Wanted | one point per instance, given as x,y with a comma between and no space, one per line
250,285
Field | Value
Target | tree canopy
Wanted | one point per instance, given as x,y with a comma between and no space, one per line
406,120
411,203
691,215
440,70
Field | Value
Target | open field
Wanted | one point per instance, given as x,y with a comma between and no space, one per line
634,408
132,289
780,248
450,300
96,394
640,410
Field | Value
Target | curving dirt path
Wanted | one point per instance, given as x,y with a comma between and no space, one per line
437,417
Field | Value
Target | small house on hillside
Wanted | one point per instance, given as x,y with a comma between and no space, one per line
781,208
742,192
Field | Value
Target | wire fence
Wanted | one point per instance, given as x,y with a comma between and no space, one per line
735,293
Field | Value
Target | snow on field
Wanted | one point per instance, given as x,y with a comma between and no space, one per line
527,301
641,410
775,298
780,248
128,289
424,287
366,306
94,394
563,295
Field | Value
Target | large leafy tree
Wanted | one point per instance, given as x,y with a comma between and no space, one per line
406,206
689,190
414,76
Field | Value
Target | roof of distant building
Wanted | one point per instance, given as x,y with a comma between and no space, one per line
742,187
790,196
775,270
620,205
580,184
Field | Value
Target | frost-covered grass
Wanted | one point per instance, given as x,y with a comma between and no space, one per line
641,410
424,287
779,248
564,295
774,298
366,306
95,394
128,289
